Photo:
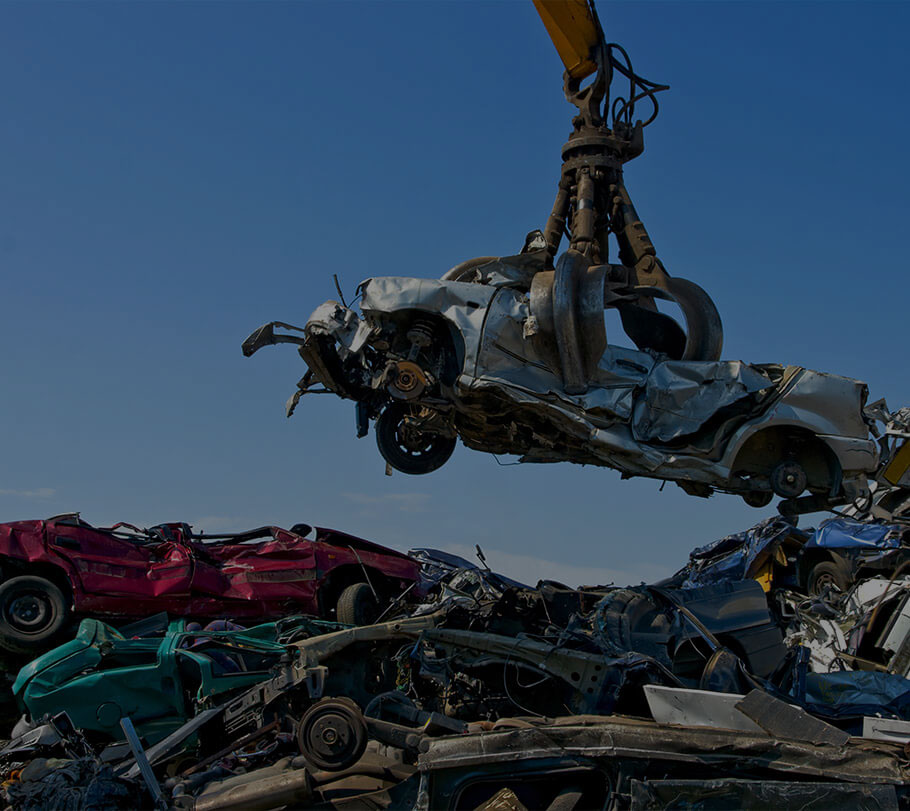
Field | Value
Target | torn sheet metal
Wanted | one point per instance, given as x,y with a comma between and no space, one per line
680,397
741,555
857,693
782,720
450,763
677,706
840,533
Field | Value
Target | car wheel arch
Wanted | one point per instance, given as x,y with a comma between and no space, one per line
809,560
757,450
455,342
12,567
339,578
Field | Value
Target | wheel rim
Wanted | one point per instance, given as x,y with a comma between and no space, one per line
823,580
29,612
406,445
412,441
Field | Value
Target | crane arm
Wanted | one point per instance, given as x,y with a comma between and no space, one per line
575,30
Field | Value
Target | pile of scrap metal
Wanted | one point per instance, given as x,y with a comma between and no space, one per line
732,683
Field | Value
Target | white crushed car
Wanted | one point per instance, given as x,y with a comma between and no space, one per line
513,358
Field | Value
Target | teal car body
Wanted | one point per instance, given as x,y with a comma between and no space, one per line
102,676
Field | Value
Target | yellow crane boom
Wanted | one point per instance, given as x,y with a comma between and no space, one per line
575,30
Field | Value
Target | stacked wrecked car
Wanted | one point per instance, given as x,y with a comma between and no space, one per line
62,567
751,677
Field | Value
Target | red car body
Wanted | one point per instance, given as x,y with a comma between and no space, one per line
265,573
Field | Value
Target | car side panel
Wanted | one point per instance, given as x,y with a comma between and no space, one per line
276,572
111,566
335,549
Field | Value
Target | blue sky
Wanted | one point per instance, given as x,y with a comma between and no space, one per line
176,174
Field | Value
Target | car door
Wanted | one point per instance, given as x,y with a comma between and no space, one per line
104,563
276,571
115,563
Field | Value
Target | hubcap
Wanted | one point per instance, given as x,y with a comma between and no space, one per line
413,440
29,612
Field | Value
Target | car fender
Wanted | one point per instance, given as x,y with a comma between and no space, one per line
462,305
852,453
24,545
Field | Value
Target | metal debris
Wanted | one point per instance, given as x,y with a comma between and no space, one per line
727,681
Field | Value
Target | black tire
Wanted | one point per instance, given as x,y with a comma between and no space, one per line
414,453
32,611
357,605
826,573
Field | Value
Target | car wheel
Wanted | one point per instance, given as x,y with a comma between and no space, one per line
408,449
357,605
32,610
788,479
825,574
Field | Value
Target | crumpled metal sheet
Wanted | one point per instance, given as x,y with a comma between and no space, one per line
836,533
781,719
732,557
855,693
680,706
463,304
680,396
509,357
506,271
593,737
340,323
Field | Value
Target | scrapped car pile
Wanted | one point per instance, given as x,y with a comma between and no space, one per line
771,669
307,668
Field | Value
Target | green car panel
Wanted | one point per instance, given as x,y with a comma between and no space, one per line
101,676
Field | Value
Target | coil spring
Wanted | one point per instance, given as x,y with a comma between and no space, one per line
421,333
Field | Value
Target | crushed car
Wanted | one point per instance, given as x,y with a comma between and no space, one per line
433,361
55,569
840,552
153,672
